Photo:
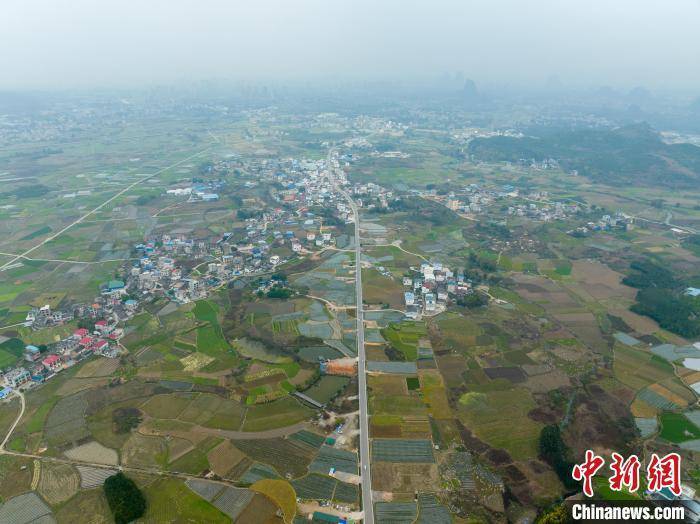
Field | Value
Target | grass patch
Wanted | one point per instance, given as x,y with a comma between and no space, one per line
36,423
169,500
193,462
412,383
276,414
676,428
500,419
404,336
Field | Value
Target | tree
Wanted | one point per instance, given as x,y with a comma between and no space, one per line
555,452
557,515
126,419
87,323
472,300
279,276
124,498
282,293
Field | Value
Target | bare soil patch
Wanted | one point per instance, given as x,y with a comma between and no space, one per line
555,379
100,367
224,457
94,452
404,478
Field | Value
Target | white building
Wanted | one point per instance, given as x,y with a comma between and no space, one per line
429,302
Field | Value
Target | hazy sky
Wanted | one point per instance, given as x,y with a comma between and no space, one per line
67,43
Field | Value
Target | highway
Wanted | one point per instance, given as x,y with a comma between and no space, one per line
365,467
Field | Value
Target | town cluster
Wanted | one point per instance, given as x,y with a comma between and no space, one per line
272,235
303,219
619,221
535,205
431,287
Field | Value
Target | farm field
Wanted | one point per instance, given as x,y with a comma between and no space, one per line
564,315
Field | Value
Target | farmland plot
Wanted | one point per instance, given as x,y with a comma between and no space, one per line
93,452
260,509
400,450
309,438
24,509
100,367
430,511
93,477
314,487
338,459
205,489
232,501
143,451
286,456
66,421
169,500
224,457
258,472
397,512
327,388
346,493
87,507
166,406
406,478
58,482
201,409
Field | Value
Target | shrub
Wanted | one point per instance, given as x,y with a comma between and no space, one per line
126,419
124,498
554,451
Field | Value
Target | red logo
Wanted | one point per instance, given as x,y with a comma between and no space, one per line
625,473
587,470
664,472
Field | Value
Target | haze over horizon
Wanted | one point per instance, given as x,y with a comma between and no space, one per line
84,44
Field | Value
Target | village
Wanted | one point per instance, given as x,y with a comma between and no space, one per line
271,238
43,362
429,290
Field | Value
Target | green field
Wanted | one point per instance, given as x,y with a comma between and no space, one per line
280,413
404,336
169,500
676,428
500,418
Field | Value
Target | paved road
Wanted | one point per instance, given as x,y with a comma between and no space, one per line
365,470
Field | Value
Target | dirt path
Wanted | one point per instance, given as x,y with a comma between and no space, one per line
115,469
252,435
239,435
14,424
397,245
330,304
99,207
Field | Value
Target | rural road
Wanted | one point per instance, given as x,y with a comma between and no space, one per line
14,424
254,435
365,471
118,467
96,209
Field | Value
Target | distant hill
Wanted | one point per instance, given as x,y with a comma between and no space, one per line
630,154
